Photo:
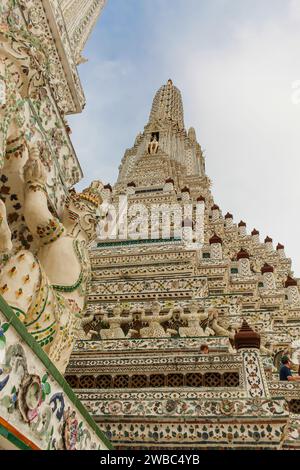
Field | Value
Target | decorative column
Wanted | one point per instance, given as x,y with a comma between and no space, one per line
185,194
106,193
228,220
169,185
292,290
280,250
268,276
242,228
269,244
215,212
201,199
243,263
247,342
216,251
131,188
187,230
255,235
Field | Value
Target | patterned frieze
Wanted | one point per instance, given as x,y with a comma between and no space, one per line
211,269
196,433
164,394
169,407
143,271
293,314
147,366
176,287
123,346
160,198
242,286
132,259
121,247
288,390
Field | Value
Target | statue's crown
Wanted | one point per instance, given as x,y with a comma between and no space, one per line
91,194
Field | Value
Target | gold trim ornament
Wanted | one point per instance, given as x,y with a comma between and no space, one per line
92,194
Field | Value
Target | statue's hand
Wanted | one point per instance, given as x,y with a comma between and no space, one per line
34,170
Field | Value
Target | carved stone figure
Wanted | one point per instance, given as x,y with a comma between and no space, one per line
219,329
14,112
48,291
266,348
15,132
153,146
155,329
115,330
82,335
223,328
193,318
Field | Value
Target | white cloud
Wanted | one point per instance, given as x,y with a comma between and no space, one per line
294,10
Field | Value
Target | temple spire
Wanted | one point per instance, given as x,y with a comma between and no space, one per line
167,105
176,151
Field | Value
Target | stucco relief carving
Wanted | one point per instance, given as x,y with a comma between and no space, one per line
48,298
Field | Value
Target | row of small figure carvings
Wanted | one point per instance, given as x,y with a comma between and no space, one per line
169,319
134,322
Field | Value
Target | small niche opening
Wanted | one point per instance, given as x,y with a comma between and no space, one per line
155,134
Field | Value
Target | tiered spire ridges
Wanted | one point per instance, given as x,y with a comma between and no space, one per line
167,105
174,147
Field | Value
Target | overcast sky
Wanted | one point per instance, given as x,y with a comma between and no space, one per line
236,63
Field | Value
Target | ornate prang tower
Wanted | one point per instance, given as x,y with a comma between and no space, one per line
155,300
176,155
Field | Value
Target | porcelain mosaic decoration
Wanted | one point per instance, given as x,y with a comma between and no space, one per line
154,301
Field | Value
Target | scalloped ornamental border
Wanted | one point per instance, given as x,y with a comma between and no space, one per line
42,356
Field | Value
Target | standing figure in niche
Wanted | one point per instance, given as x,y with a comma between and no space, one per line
153,146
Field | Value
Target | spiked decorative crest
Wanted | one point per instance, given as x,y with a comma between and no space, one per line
92,194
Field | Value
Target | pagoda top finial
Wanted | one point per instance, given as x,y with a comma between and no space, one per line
167,105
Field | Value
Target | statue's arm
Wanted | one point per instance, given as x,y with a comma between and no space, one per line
163,318
184,316
41,223
126,319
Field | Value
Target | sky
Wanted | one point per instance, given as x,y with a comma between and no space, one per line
237,64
